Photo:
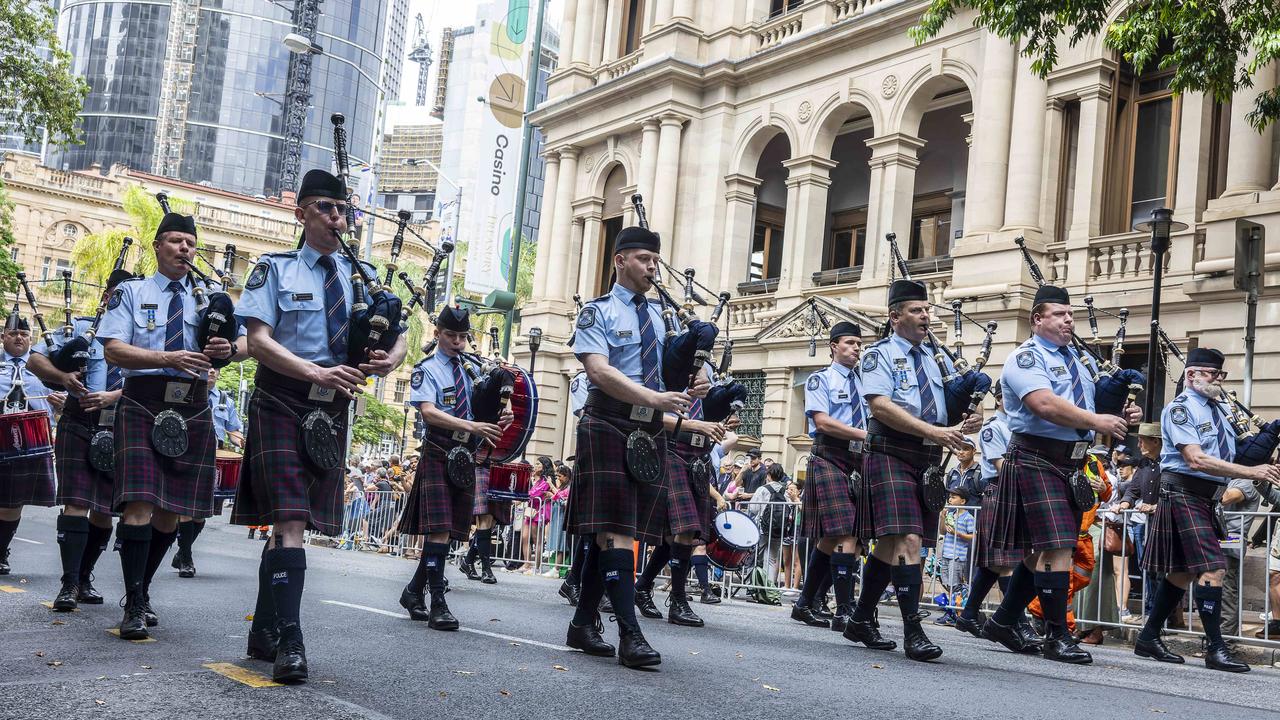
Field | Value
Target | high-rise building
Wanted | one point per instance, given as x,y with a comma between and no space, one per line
195,89
407,180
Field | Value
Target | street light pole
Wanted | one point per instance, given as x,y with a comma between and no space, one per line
1161,225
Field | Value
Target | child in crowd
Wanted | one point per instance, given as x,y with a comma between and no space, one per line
953,566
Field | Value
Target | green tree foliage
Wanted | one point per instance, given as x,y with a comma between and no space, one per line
480,324
8,268
1213,47
378,419
35,74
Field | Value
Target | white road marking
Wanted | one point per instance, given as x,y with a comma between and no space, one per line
473,631
33,542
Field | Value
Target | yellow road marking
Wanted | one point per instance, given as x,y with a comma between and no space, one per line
49,604
242,675
116,631
11,589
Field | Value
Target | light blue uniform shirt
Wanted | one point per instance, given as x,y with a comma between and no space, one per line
578,392
888,369
609,326
225,417
833,390
433,381
137,313
286,292
37,393
993,441
95,375
1037,364
1191,419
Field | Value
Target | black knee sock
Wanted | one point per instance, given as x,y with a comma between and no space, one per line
473,549
1163,605
680,556
73,535
7,530
592,587
186,536
843,573
484,546
875,578
264,608
617,567
659,557
583,548
983,580
197,526
1052,588
1018,590
824,587
288,568
437,555
93,549
907,580
1209,605
815,576
699,563
135,547
160,544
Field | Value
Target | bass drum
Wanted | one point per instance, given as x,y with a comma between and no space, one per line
524,405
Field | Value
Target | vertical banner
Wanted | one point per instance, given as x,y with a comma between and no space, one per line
494,195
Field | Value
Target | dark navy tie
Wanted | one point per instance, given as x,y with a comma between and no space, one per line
173,327
648,343
857,419
336,319
928,406
462,406
115,379
1077,390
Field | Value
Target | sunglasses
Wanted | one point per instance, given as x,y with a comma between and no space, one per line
326,207
1215,374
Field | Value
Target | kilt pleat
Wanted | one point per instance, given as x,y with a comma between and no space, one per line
435,506
604,497
1184,536
826,507
894,504
484,505
277,482
986,555
79,485
183,485
688,496
27,481
1032,506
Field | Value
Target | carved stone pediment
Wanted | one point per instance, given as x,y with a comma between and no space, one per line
800,322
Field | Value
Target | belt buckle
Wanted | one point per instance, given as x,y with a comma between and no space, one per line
640,413
461,436
321,394
1078,449
698,440
177,392
855,446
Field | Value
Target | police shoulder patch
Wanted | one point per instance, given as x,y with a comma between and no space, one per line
586,318
813,382
870,361
258,277
1179,415
116,297
1026,359
988,434
416,379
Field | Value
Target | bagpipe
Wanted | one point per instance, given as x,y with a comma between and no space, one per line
215,310
1256,439
376,313
423,295
497,385
1114,387
726,396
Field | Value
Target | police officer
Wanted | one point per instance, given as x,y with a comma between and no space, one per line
571,588
619,491
441,502
227,428
297,308
1049,398
992,565
83,453
836,415
27,480
1186,533
164,438
906,434
486,513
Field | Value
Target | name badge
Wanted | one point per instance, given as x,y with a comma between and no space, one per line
640,413
855,446
1079,449
698,440
321,394
461,436
107,417
176,392
842,395
624,333
1059,371
300,297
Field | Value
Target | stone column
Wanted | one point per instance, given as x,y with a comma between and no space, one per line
648,158
808,179
1086,212
1026,150
568,26
586,234
612,29
739,222
989,162
585,23
1249,151
597,33
682,9
663,211
543,261
895,157
557,275
662,12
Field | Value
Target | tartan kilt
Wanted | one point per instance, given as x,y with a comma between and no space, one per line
435,506
277,481
79,485
893,476
826,508
1032,509
27,481
182,485
1184,536
689,494
985,555
484,505
604,497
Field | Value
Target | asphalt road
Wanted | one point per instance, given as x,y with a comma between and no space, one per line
368,660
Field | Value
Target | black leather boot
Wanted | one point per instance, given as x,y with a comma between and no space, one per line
633,650
291,655
644,603
66,600
263,644
1006,635
186,566
415,603
86,594
150,615
588,639
1219,657
1059,646
134,624
867,632
486,572
1156,650
807,616
710,596
439,617
915,643
467,564
570,593
1032,641
840,620
973,627
681,614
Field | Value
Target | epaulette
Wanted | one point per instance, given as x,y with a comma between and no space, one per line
881,341
135,278
282,254
595,300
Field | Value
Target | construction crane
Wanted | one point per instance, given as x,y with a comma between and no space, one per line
421,54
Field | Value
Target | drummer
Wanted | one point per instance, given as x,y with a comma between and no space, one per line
228,430
83,455
27,480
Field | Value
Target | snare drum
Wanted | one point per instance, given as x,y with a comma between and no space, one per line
24,435
510,481
227,472
733,536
